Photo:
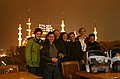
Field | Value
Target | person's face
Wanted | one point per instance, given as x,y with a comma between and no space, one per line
117,54
51,38
65,37
82,32
57,33
38,35
72,37
92,39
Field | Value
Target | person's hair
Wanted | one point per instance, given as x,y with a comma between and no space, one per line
70,34
56,30
46,39
37,30
61,35
81,29
91,35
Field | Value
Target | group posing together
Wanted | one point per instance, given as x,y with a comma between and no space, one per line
44,58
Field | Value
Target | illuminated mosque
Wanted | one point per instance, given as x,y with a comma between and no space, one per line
45,28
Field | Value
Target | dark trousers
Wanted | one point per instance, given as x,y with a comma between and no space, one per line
36,70
52,72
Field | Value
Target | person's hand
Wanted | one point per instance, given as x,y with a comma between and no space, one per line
60,55
54,60
83,62
41,47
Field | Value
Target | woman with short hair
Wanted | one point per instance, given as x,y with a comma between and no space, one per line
50,57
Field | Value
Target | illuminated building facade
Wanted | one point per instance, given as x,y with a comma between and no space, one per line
45,29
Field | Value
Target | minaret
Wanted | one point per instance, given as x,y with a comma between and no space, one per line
95,31
75,31
28,26
62,25
20,33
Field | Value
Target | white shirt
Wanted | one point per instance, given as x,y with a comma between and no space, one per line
83,44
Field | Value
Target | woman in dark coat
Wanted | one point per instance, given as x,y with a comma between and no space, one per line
62,42
50,57
74,48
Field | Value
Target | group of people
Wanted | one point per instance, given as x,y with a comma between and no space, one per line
44,58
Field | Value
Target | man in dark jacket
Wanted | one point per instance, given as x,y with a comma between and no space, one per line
92,44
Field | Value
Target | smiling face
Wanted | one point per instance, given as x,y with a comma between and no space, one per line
65,37
38,35
57,34
51,38
82,32
72,37
92,39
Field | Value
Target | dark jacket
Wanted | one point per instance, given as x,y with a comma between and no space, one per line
75,51
79,47
45,55
93,46
86,39
64,49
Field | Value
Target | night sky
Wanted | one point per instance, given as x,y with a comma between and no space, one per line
78,13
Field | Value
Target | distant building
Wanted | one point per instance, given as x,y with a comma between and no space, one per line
2,53
95,31
20,34
28,26
63,24
45,28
